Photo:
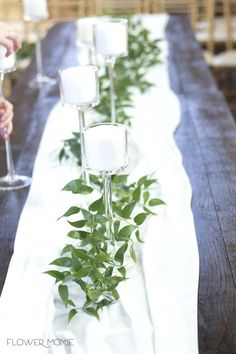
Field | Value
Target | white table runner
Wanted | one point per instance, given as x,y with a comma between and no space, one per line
157,311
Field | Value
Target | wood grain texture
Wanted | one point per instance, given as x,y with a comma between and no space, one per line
32,107
207,140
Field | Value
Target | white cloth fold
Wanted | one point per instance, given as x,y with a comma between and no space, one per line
157,310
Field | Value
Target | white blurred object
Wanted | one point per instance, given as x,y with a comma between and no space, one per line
6,63
35,9
83,55
78,85
106,147
111,37
85,29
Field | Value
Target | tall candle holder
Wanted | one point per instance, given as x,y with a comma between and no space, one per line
79,88
11,181
105,152
85,36
36,11
111,41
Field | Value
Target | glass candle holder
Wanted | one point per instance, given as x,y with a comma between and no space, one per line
11,181
111,41
106,153
37,11
79,88
85,36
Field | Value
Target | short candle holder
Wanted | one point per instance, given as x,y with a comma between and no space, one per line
36,11
79,89
105,151
111,41
11,181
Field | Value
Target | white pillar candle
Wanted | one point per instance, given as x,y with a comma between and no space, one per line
79,85
6,63
85,29
35,9
106,147
111,38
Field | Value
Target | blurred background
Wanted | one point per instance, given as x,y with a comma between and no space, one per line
213,22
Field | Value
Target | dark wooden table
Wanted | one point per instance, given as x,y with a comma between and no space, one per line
207,140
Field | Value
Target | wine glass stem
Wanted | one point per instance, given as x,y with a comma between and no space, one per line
108,203
38,50
81,128
9,158
110,64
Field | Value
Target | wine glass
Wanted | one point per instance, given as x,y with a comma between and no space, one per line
111,41
11,180
105,153
36,11
79,88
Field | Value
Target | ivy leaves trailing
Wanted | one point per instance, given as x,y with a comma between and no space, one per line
130,74
92,261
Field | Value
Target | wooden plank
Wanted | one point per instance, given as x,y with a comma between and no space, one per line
32,107
207,139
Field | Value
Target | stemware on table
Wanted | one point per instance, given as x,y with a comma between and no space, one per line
79,88
111,41
37,11
105,153
11,181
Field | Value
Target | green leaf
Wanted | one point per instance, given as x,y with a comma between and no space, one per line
95,206
64,293
138,237
155,201
108,272
100,219
78,224
126,232
136,194
86,214
71,303
102,257
115,294
127,210
76,263
146,196
149,182
132,254
122,271
140,218
78,235
83,272
62,262
150,212
66,249
94,294
77,186
92,312
98,235
71,314
80,253
142,180
120,179
119,256
116,227
71,211
55,274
